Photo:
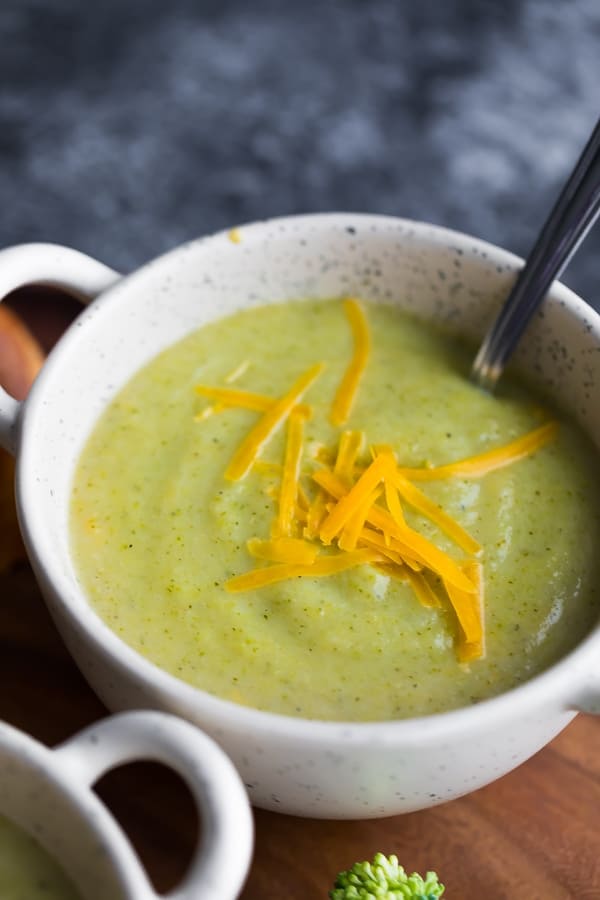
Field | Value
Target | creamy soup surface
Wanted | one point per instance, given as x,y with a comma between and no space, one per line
157,531
27,872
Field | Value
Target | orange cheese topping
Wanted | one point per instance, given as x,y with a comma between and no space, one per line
267,425
419,501
352,499
243,399
316,513
482,463
469,611
358,508
344,398
393,552
406,541
391,492
284,549
423,589
237,372
327,565
209,411
288,494
350,446
352,530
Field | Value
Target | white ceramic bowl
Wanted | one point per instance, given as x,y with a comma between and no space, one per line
49,794
312,768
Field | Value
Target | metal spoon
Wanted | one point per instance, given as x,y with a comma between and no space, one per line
574,213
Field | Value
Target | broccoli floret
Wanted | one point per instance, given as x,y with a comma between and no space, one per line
384,879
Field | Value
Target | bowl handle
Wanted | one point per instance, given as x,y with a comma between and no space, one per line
222,856
48,264
587,698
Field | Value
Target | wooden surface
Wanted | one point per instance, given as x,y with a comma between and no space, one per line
534,834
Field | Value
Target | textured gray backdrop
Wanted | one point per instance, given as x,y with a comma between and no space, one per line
128,126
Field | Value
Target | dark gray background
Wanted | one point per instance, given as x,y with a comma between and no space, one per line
127,127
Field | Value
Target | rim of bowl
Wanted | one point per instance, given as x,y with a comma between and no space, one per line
557,685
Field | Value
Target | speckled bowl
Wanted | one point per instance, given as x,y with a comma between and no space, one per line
49,794
312,768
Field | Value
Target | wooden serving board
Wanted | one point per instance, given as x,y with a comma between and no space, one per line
533,834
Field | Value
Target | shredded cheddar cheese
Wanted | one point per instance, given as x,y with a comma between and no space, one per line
234,397
288,494
344,513
483,463
328,565
419,501
406,540
316,513
474,648
266,426
351,444
244,399
423,589
293,551
393,503
394,553
352,530
348,503
209,411
468,609
239,370
303,499
344,398
301,514
391,492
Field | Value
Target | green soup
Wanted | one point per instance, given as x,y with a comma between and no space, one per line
157,531
27,872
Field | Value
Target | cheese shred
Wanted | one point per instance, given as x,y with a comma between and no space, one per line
328,565
293,551
344,398
351,444
419,501
316,513
289,479
347,513
423,590
483,463
472,646
228,397
406,540
256,439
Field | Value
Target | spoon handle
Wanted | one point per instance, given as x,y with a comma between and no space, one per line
573,215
